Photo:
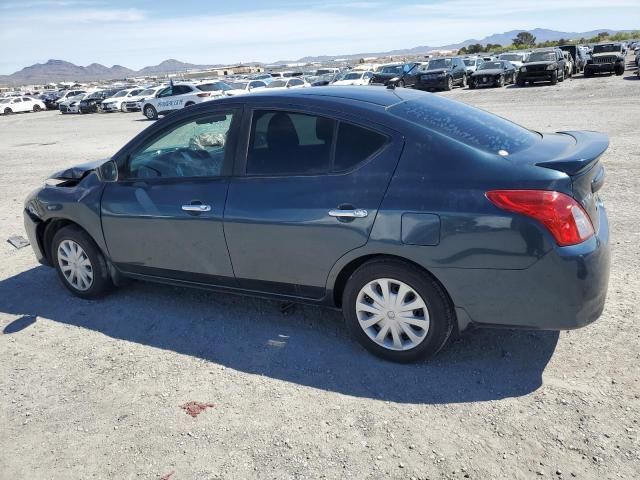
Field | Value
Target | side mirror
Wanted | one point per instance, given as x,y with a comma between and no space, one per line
108,172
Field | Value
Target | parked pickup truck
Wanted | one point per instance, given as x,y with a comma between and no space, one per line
606,57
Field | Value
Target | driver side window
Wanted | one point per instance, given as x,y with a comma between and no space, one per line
191,149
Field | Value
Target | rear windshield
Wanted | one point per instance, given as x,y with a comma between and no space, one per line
466,124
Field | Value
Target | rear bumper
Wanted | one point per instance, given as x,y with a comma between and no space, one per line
564,290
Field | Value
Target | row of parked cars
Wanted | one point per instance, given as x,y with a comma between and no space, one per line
551,65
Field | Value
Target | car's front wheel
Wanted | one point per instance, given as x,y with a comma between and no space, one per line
150,112
449,84
8,111
554,77
500,82
80,264
397,311
36,108
619,70
464,81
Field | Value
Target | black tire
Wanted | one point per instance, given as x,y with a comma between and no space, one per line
472,84
36,108
8,111
554,77
500,82
101,282
464,81
441,313
561,78
619,70
150,112
520,82
588,73
449,84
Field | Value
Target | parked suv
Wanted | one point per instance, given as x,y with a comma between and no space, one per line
606,57
443,74
175,97
545,65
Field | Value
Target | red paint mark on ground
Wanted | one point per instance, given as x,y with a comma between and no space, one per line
195,408
167,476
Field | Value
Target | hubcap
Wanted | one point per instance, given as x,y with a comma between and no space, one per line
392,314
75,265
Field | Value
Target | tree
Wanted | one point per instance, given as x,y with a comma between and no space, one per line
603,34
524,38
462,51
475,48
493,46
563,41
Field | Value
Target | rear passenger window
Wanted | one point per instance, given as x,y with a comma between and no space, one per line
355,145
287,143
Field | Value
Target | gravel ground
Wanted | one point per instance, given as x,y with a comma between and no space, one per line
95,389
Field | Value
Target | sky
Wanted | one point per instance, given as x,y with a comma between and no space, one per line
137,33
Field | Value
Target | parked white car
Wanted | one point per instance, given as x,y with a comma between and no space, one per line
245,86
355,78
20,104
177,96
471,64
292,82
516,58
72,104
68,94
134,103
113,104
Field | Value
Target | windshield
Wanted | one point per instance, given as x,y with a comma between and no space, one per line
512,57
121,93
96,95
277,83
439,63
469,62
149,91
466,124
490,65
353,76
238,85
392,69
210,87
606,48
542,57
5,100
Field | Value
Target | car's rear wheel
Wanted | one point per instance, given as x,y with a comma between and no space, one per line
397,311
36,108
79,263
150,112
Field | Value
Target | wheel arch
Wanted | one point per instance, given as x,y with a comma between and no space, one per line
338,286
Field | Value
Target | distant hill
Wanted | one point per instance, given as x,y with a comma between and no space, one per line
59,70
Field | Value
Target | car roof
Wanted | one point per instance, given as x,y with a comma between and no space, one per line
380,96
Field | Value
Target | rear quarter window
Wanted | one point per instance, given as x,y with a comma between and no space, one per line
355,145
469,125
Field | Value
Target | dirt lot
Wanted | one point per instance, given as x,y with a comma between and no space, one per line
95,389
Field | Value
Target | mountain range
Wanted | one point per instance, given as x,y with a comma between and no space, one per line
60,70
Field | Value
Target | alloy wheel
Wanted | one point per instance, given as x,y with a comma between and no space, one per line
392,314
75,265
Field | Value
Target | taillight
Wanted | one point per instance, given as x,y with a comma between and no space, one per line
561,214
205,94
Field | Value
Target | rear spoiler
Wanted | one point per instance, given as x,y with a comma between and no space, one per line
588,148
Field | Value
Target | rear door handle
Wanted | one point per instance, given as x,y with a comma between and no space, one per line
355,213
196,208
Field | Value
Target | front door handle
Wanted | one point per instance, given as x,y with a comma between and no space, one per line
196,208
355,213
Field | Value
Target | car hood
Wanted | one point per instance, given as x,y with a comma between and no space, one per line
606,54
488,71
79,171
437,70
387,76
